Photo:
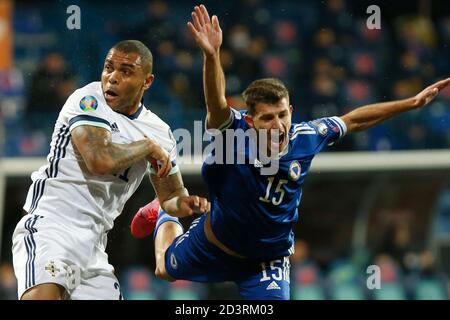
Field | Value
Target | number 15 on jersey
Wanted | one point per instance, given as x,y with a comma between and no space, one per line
275,197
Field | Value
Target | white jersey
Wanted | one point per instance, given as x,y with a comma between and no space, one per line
65,190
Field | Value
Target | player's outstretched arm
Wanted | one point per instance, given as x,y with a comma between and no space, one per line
208,36
174,197
102,156
368,116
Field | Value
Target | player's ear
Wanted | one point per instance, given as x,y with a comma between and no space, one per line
249,120
148,81
291,108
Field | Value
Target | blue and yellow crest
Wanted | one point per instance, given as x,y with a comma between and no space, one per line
88,103
295,170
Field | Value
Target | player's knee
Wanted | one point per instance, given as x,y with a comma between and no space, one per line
161,273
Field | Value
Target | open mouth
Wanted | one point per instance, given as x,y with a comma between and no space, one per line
281,138
110,95
277,141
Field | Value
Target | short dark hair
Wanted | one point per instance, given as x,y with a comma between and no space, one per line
267,90
136,46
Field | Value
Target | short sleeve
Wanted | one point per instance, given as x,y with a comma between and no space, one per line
329,129
316,135
235,121
86,109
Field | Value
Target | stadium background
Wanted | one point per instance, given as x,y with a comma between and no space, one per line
358,208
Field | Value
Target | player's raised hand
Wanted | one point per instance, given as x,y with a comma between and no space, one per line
429,93
205,30
193,204
159,159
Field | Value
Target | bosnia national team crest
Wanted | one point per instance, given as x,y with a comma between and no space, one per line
323,129
88,103
173,261
295,170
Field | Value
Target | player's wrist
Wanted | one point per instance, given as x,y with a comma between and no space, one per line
151,146
214,54
415,102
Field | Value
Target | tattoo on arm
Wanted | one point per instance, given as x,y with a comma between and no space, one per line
168,187
103,156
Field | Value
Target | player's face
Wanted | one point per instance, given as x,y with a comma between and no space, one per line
276,119
124,80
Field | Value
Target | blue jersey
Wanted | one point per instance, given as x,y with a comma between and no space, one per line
252,213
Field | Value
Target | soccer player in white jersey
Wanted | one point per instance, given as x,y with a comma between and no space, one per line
104,142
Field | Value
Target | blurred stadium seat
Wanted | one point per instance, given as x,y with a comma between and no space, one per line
307,282
344,281
138,283
390,291
392,280
184,290
430,289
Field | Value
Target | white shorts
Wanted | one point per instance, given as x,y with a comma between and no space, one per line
49,251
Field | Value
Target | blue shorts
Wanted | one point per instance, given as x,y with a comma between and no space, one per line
192,257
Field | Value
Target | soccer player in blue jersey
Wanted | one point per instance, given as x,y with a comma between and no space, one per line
247,237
